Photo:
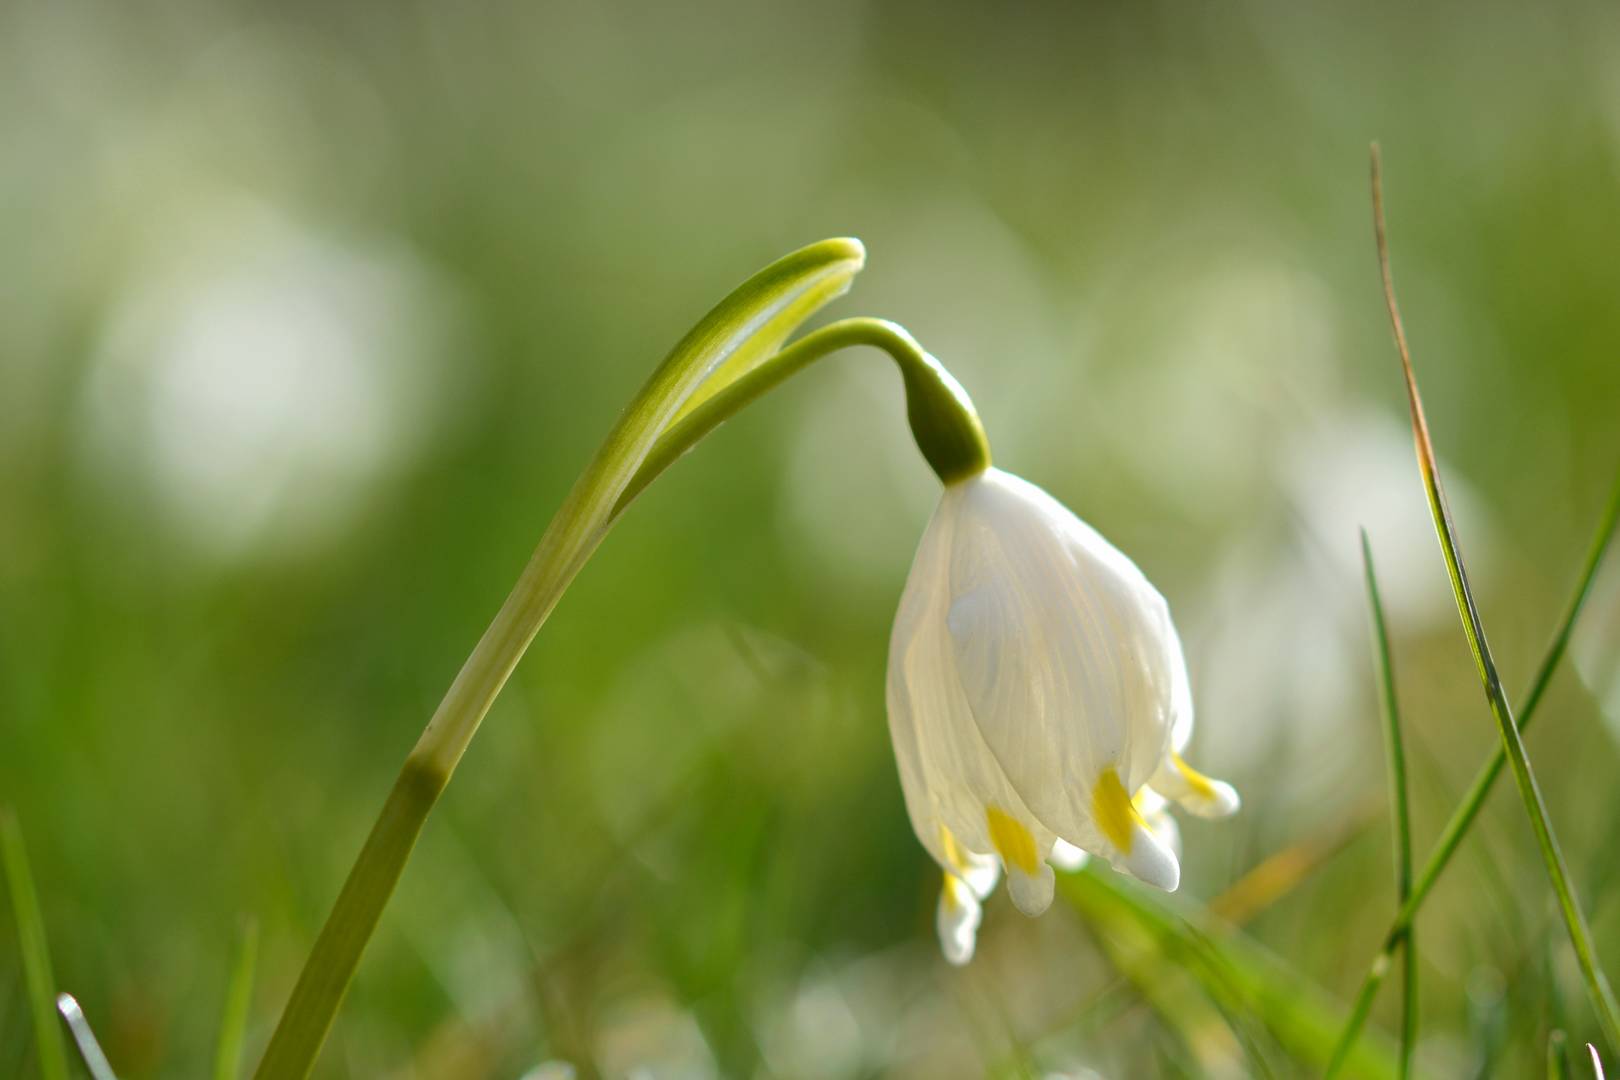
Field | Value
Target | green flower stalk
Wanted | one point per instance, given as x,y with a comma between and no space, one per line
36,956
729,359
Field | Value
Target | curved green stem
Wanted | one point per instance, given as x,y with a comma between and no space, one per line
50,1056
753,321
943,420
238,1000
1401,815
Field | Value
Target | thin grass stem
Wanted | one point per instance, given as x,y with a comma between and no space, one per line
1462,819
49,1053
1557,1057
238,997
1401,816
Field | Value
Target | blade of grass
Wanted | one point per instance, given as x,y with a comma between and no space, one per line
85,1039
36,954
1462,819
238,997
1597,984
1557,1060
1401,808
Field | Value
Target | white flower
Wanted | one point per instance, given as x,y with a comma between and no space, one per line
1038,702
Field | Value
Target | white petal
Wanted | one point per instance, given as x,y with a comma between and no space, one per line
957,920
1149,803
980,872
1121,833
1065,856
948,773
914,604
1031,892
1152,806
1193,791
1149,859
1166,831
1064,651
1181,702
1197,793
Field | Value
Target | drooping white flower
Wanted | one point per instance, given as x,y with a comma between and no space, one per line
1039,703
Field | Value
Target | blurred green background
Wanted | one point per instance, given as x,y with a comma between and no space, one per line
309,315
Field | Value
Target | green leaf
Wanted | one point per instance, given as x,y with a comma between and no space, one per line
238,997
1557,1055
840,260
1400,812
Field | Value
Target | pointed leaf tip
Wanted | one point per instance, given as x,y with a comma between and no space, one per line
845,247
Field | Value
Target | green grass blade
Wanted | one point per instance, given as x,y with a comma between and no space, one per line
1580,936
1557,1057
238,997
36,954
1462,819
1401,814
85,1039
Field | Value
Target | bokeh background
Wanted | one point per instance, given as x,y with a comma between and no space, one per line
309,314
